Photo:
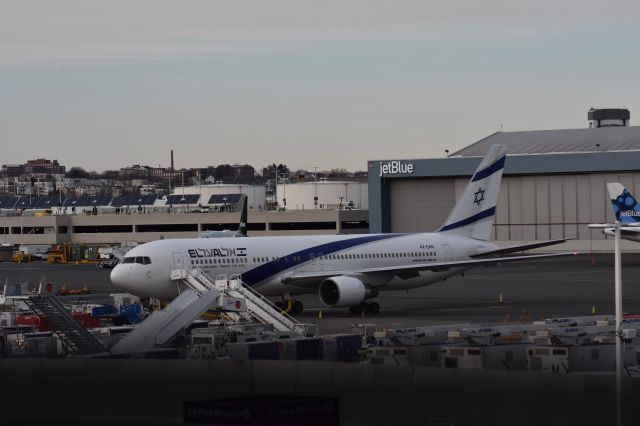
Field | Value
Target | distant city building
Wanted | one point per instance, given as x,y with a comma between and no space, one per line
12,170
44,166
135,171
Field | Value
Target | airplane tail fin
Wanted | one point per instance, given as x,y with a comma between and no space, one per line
625,206
242,227
474,212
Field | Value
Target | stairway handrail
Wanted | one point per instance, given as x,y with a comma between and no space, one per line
265,301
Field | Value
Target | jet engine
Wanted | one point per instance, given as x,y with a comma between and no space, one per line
340,291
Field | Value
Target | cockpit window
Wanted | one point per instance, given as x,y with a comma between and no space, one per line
142,260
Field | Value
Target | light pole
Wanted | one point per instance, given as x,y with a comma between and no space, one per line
618,306
618,299
284,189
315,186
200,187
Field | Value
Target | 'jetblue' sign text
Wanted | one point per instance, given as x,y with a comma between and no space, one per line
396,168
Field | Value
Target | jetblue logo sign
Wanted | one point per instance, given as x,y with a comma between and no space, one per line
629,213
395,168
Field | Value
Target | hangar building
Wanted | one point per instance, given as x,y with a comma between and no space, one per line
554,183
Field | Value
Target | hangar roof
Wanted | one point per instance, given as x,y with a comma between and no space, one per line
558,141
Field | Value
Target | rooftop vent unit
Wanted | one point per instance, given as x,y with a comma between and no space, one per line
608,117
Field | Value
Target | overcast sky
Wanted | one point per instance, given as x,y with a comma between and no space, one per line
330,83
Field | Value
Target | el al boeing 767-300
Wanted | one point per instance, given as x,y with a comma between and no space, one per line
344,270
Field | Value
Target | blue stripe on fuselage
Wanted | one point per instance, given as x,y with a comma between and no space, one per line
486,172
468,221
291,260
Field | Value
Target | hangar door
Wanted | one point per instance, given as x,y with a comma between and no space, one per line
420,205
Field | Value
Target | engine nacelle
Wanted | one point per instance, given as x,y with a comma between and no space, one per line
341,291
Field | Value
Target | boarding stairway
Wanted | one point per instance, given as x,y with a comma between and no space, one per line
262,310
120,252
73,335
200,294
259,307
162,326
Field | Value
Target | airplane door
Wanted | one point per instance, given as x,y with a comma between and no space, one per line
178,260
447,253
320,261
317,260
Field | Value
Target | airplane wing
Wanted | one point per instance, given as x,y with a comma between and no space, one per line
514,249
410,271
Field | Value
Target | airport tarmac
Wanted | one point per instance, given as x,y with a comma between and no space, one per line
560,287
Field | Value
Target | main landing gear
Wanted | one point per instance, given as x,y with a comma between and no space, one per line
372,308
290,306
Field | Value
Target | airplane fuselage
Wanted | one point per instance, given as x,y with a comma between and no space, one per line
266,262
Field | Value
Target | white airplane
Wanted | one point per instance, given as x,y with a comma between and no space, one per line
627,212
344,270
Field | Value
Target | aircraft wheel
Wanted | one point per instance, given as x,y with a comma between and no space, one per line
373,308
297,307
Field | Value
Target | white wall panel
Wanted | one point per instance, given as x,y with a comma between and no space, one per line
555,207
514,186
569,206
502,213
420,205
598,198
529,207
583,202
542,207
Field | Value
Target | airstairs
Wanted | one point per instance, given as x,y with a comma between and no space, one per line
259,307
120,252
201,294
262,310
73,335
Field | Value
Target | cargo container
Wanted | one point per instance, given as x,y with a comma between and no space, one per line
342,347
254,351
302,349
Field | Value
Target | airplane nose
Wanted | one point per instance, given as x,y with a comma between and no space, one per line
120,276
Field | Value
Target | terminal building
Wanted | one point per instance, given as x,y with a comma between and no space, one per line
554,183
136,218
323,194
